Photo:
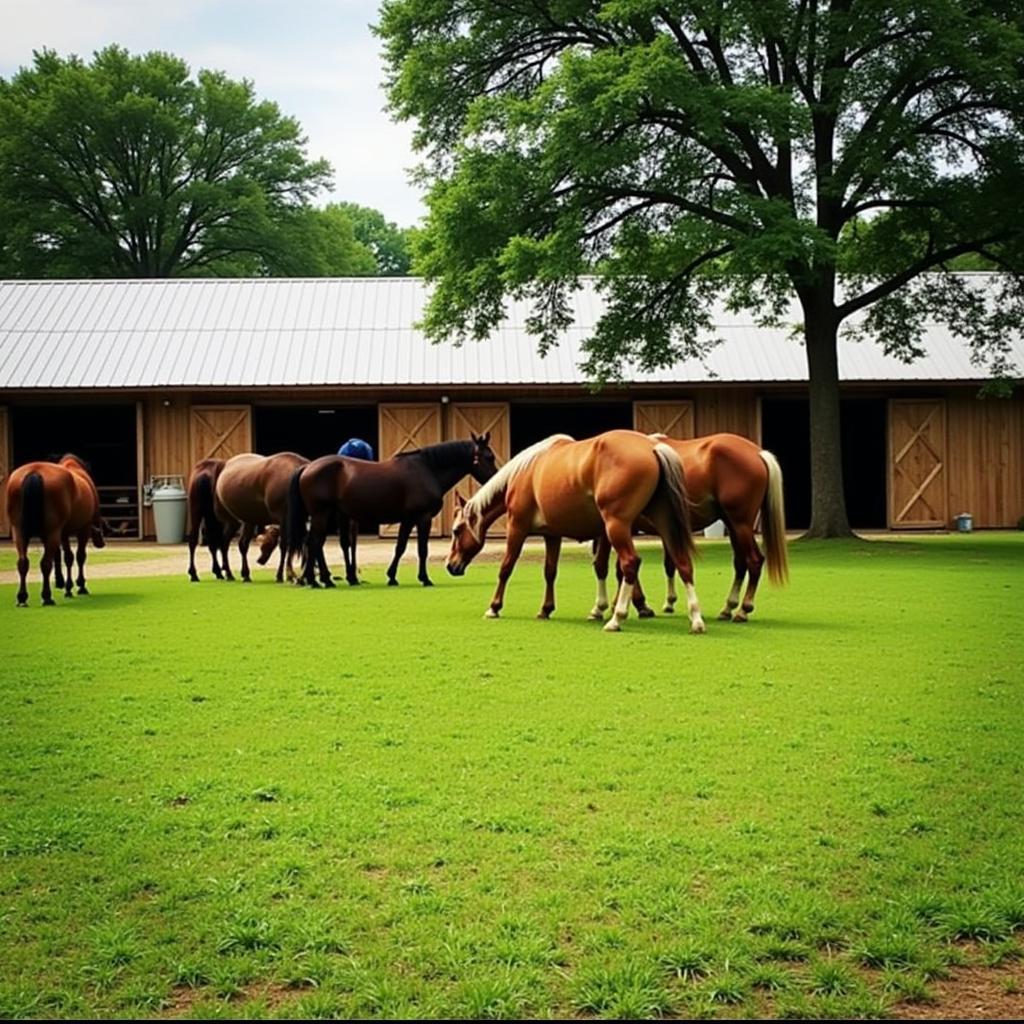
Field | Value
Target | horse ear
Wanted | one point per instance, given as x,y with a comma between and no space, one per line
460,500
485,438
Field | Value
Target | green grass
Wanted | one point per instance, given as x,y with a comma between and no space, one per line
228,800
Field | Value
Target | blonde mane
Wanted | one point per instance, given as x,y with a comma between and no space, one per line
500,481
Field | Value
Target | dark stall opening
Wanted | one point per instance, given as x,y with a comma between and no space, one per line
785,431
531,422
313,431
103,435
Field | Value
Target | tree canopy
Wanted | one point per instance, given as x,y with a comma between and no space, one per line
391,245
845,152
129,166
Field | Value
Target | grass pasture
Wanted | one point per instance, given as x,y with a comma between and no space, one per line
243,801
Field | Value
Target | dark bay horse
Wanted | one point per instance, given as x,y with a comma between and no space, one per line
407,489
54,502
728,477
598,488
202,483
348,535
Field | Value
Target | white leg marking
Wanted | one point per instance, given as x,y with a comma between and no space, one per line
670,595
601,602
693,606
625,595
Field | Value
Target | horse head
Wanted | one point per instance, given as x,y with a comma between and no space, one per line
97,530
484,462
467,536
267,542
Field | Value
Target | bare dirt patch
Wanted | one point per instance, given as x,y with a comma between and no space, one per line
972,993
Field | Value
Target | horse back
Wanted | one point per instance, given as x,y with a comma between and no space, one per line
725,469
40,498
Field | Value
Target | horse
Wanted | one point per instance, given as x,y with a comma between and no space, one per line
251,492
407,489
202,483
597,488
728,477
348,532
54,502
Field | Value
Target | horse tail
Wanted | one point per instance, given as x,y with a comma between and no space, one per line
213,529
773,522
673,480
32,497
295,520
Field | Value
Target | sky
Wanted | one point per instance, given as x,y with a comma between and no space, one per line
317,59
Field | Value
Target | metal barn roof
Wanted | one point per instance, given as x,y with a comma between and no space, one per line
314,332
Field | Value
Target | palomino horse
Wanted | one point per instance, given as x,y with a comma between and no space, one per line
590,489
54,502
728,477
407,489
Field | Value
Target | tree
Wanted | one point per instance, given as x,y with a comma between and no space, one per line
736,149
129,167
317,243
386,240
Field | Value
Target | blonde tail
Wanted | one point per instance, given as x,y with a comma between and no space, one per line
773,522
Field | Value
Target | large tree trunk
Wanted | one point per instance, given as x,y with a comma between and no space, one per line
828,503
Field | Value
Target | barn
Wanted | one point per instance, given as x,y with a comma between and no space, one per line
143,378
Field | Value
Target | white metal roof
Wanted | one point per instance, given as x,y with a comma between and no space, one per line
314,332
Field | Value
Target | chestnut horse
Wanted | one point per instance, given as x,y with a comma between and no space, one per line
728,477
587,490
407,489
54,502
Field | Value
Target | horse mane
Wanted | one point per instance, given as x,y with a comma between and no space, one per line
443,454
500,481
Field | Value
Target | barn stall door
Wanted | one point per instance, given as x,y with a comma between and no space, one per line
917,464
672,418
220,431
5,468
478,418
403,428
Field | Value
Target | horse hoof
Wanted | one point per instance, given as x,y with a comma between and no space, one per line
542,614
669,609
329,584
83,590
392,582
490,614
740,617
697,626
48,601
427,583
247,579
645,613
613,625
725,615
596,616
353,583
193,579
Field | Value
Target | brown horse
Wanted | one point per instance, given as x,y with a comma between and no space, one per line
54,502
407,489
587,490
728,477
251,493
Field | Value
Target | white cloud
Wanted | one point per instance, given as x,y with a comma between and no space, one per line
317,59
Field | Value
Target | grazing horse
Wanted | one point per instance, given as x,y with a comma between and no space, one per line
348,532
407,489
202,485
251,493
54,502
590,489
728,477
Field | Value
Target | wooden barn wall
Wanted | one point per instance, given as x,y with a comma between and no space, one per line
728,410
166,444
985,451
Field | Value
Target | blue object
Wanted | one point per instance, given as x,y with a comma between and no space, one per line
356,448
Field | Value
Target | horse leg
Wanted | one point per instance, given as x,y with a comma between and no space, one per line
684,565
404,529
225,547
620,534
552,549
749,555
514,540
353,541
248,531
283,553
670,584
602,552
318,526
80,557
193,540
422,545
62,580
21,546
51,552
325,573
